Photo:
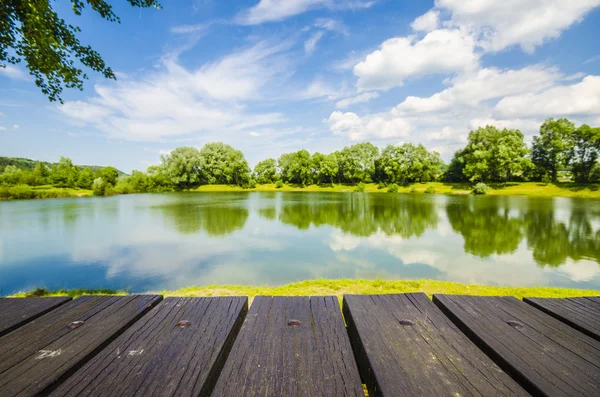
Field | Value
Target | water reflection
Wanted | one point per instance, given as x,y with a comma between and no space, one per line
169,241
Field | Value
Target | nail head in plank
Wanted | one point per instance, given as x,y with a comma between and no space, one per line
16,312
43,353
406,346
545,356
291,347
177,349
582,314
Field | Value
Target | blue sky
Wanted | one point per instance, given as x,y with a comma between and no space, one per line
273,76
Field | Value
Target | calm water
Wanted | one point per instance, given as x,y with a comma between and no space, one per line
169,241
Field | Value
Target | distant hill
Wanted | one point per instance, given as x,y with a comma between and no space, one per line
28,164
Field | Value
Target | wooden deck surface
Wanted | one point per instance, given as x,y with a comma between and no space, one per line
397,345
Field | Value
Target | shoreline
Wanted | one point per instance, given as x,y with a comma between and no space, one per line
339,288
527,189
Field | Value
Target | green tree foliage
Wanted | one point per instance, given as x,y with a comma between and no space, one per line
266,171
182,166
31,30
492,155
325,168
296,167
222,164
408,163
40,174
99,187
357,163
11,175
86,179
550,150
139,181
584,146
62,173
109,175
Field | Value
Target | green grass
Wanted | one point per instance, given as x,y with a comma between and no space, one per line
21,192
340,288
533,189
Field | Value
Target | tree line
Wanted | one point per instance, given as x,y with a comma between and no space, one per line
491,155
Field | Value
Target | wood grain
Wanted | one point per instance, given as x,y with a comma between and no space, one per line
16,312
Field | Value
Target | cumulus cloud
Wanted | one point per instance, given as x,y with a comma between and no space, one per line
426,22
278,10
582,98
176,101
528,23
441,51
364,97
357,129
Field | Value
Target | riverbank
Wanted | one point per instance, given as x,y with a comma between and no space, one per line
342,287
530,189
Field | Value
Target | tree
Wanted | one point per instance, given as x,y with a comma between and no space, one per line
182,166
109,175
99,187
328,168
549,151
296,167
40,174
139,181
584,149
11,175
30,30
222,164
357,163
407,163
266,171
86,179
492,155
61,172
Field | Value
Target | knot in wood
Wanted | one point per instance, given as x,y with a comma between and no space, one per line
75,324
294,323
515,324
406,322
184,323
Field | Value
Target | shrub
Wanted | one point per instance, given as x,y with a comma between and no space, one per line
546,179
413,189
393,188
279,184
381,185
99,187
481,188
252,184
360,187
430,190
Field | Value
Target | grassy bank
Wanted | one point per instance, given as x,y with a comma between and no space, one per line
340,288
24,192
532,189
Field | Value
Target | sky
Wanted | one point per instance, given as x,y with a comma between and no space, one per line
275,76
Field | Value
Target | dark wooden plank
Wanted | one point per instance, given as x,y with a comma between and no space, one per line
271,358
582,314
543,354
15,312
405,346
156,357
41,354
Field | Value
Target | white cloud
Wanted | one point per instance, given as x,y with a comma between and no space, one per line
311,43
15,126
184,29
14,72
426,22
582,98
175,101
592,59
319,89
278,10
375,127
332,25
3,128
441,51
364,97
528,23
485,84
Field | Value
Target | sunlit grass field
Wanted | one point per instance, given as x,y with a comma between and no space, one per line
342,287
533,189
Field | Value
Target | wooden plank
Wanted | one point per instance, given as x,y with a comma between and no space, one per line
291,347
156,357
582,314
41,354
546,356
405,346
15,312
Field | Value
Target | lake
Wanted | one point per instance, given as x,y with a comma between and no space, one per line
154,242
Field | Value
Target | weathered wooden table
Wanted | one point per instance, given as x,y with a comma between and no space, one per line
394,345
